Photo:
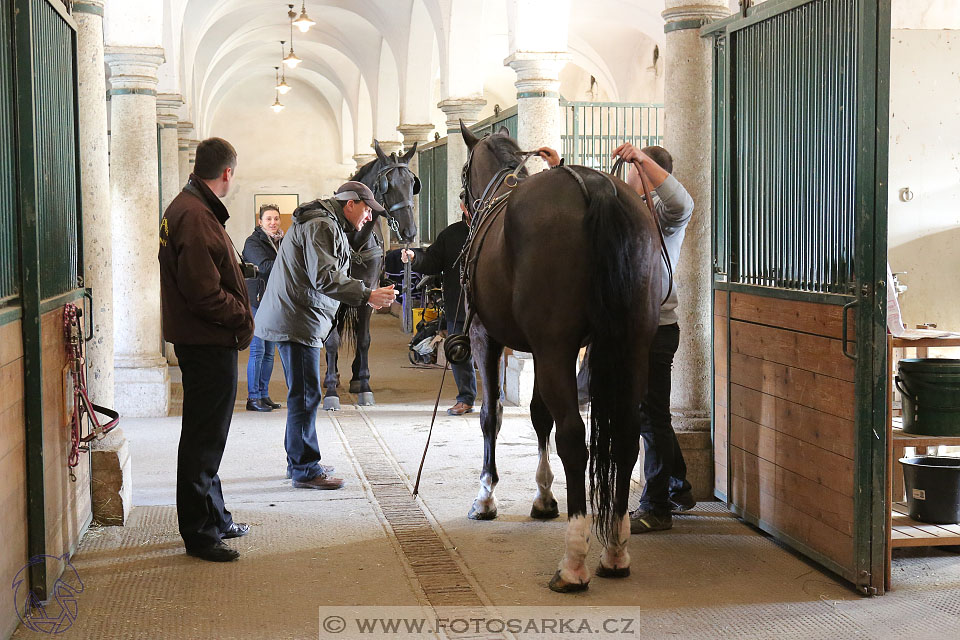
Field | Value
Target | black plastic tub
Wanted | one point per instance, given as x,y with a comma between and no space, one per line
933,488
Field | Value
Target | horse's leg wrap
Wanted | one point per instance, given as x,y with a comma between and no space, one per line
572,574
615,559
485,506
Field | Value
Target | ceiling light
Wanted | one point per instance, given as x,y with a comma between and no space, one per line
303,22
291,60
276,106
282,85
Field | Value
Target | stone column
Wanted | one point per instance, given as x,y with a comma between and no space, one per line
391,146
539,119
192,154
95,188
184,136
142,379
687,98
168,105
362,159
456,109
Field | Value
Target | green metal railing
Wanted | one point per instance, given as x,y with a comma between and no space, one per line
505,118
433,191
592,130
54,86
794,154
9,258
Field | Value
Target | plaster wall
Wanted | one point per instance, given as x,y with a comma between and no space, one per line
925,156
295,151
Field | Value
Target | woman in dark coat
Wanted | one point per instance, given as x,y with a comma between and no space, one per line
261,249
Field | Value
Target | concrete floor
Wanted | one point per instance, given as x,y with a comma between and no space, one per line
711,576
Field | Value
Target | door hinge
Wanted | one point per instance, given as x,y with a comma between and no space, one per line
866,289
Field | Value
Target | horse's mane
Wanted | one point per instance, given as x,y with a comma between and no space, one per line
365,170
506,151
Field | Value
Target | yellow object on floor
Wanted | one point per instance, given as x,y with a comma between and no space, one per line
421,313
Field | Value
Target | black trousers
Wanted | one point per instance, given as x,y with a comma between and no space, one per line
209,391
663,465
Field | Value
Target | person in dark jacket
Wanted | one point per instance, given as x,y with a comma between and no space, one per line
309,280
441,257
261,249
206,315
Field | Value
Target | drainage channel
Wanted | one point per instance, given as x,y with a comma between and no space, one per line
438,572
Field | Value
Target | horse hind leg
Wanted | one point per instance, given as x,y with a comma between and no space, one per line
331,399
544,505
486,353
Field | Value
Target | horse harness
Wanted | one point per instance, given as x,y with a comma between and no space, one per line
382,184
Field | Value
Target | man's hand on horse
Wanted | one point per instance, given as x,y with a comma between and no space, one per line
381,297
406,255
549,155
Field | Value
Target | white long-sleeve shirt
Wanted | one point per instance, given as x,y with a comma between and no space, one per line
674,208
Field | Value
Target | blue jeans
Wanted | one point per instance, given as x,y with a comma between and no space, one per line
301,366
260,366
463,373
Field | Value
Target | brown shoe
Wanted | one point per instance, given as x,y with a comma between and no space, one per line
459,409
322,481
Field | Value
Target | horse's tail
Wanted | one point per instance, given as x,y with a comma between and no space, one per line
616,279
348,323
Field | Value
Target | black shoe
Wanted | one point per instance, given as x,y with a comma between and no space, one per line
682,502
642,521
323,469
236,530
270,403
256,404
215,553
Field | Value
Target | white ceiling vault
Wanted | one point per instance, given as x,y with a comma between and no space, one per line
371,65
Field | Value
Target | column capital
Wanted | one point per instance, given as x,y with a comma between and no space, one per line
168,106
703,10
390,146
133,69
184,134
538,73
415,133
363,158
466,109
91,7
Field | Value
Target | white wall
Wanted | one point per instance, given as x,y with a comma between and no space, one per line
924,234
295,151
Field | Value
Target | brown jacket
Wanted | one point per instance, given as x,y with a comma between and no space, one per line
202,291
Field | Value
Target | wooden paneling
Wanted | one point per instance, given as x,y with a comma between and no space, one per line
806,424
13,470
823,393
791,426
819,319
800,350
720,345
721,303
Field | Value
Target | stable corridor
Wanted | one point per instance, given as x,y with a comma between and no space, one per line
371,544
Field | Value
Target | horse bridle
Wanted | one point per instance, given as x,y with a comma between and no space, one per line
509,175
381,185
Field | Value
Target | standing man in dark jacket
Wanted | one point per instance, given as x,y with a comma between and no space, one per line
310,279
261,250
441,257
206,315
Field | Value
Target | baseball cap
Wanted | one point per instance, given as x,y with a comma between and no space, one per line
354,190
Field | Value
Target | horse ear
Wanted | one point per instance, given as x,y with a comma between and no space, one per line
468,138
409,154
380,154
503,131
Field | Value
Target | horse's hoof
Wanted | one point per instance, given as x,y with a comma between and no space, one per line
331,403
481,515
365,399
545,514
355,386
606,572
560,585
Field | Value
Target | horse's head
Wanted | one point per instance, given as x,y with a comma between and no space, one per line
394,185
486,157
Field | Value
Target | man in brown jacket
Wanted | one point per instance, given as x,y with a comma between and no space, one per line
206,315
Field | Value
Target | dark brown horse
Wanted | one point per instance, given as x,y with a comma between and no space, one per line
569,259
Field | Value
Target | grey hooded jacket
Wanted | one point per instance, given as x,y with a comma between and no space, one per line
310,278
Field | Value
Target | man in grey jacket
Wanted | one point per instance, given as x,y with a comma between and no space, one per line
298,309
